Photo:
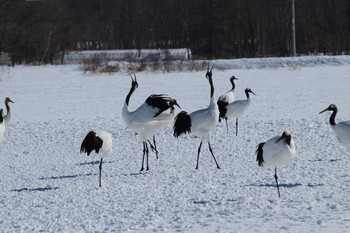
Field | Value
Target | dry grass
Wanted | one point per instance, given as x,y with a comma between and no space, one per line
97,65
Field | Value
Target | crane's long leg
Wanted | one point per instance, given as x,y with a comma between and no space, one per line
211,151
199,151
226,123
276,178
236,126
100,173
154,146
146,157
143,155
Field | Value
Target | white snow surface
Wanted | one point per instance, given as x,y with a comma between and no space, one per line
46,185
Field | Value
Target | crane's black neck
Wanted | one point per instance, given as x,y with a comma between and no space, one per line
247,93
332,118
211,87
132,89
233,84
7,106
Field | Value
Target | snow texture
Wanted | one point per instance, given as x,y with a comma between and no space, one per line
46,185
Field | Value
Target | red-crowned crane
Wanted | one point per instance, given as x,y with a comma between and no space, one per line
100,143
277,151
226,99
238,107
201,122
155,113
341,129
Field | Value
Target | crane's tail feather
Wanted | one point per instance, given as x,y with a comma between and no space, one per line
182,124
222,109
91,142
259,153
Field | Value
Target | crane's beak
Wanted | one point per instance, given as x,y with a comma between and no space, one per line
178,105
280,138
8,100
324,110
285,136
134,81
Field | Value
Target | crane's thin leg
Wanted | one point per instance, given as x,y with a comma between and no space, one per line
153,146
226,123
276,178
199,151
100,173
146,157
211,151
236,126
143,155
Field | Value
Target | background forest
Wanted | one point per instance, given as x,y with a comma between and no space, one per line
40,31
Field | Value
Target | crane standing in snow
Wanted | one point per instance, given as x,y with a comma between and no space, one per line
226,99
201,122
238,107
277,151
155,113
99,142
342,129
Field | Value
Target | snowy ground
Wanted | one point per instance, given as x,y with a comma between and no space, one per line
47,186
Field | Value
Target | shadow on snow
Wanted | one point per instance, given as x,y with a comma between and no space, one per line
92,163
274,185
34,189
65,177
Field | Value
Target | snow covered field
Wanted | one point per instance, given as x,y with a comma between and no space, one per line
47,186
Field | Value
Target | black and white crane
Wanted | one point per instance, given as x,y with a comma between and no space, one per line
201,122
341,129
99,142
277,151
238,107
7,117
226,99
155,113
2,125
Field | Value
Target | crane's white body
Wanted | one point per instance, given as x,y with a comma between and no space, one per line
143,122
278,153
204,120
342,131
228,97
237,108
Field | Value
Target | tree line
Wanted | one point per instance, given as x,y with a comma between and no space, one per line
44,30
